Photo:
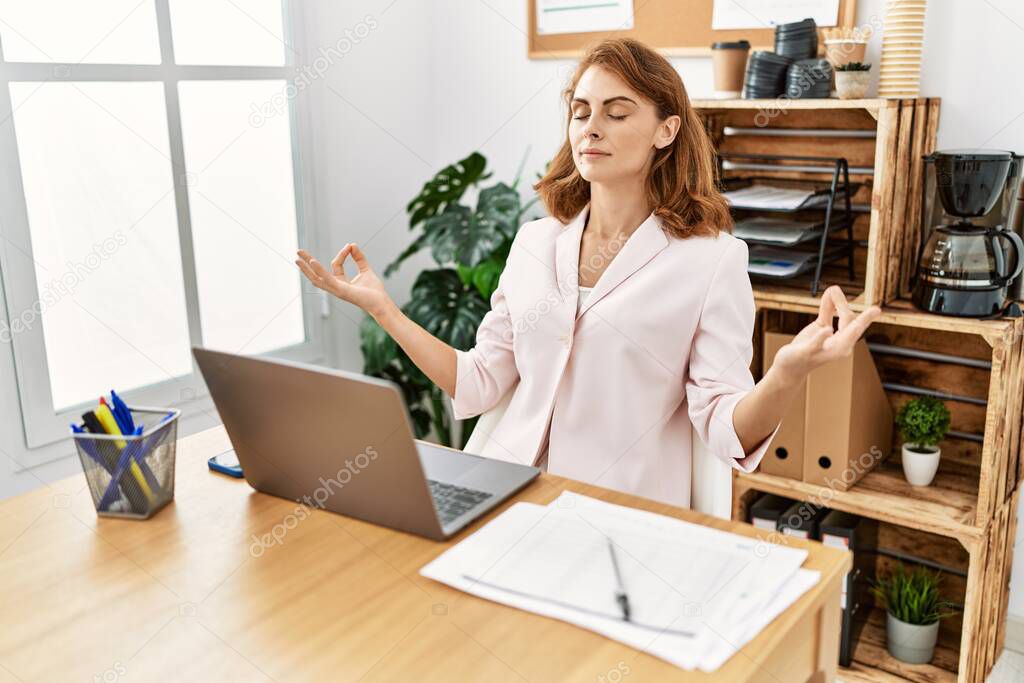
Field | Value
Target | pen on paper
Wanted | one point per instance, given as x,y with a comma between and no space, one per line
620,593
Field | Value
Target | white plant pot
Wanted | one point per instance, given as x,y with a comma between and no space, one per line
910,643
852,85
919,468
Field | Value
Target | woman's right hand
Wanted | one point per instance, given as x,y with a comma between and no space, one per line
365,290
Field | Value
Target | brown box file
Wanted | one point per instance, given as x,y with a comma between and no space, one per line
848,421
785,456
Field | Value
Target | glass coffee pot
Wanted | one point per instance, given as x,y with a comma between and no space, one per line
966,266
965,269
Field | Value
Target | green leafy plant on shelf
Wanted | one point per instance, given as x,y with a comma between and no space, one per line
854,66
912,596
923,422
470,246
913,611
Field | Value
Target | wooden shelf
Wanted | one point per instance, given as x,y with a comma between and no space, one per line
872,661
796,296
870,104
947,507
986,400
899,312
970,642
887,136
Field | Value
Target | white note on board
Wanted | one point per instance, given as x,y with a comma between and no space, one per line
583,16
740,14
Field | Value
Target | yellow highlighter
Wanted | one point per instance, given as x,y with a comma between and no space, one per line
106,419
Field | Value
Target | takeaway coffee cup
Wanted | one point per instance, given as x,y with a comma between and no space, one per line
729,61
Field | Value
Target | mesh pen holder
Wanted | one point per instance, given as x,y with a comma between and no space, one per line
132,476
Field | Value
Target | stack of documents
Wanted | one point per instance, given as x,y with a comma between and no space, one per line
695,594
770,197
762,260
776,230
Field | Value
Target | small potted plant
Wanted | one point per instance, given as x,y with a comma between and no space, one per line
852,80
923,422
914,609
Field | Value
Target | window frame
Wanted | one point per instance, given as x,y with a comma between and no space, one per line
41,423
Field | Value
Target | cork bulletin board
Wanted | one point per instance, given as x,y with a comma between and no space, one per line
677,28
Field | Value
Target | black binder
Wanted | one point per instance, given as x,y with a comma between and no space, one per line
802,520
859,535
766,510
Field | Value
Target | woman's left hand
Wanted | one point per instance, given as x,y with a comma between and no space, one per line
817,343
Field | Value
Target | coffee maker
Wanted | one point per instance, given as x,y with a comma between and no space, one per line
968,258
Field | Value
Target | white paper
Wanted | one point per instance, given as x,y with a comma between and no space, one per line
768,197
583,16
739,14
697,594
762,260
776,230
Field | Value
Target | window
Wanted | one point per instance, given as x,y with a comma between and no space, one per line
150,198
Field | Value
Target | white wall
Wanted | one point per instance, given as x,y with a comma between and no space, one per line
435,81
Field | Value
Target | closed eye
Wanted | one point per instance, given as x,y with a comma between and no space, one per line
617,118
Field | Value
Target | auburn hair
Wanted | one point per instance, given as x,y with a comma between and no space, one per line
682,187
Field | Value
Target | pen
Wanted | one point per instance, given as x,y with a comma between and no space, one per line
124,410
620,594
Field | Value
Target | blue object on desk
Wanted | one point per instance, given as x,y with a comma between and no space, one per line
226,463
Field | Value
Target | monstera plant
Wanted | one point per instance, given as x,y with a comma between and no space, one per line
470,246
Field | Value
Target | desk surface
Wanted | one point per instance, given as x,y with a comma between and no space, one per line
202,592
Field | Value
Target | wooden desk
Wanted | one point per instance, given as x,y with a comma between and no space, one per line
194,595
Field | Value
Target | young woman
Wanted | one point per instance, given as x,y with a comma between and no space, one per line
625,318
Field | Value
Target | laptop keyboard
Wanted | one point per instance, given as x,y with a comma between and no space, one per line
452,501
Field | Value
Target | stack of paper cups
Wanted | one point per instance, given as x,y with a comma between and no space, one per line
902,43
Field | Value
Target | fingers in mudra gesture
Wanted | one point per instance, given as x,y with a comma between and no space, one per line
818,343
364,290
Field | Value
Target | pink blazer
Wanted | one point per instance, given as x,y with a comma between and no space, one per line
664,340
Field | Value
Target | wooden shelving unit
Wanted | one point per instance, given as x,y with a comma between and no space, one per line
883,140
974,478
966,520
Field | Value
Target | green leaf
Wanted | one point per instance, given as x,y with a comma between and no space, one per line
421,421
446,308
410,250
912,597
485,277
446,187
500,206
460,236
465,273
923,420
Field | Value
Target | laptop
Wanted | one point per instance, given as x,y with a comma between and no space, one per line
343,442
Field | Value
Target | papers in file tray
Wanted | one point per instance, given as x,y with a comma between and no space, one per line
772,262
775,230
696,594
773,198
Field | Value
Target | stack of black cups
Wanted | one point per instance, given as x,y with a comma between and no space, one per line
809,78
798,40
766,75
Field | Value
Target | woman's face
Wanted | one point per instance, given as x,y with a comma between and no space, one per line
614,131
